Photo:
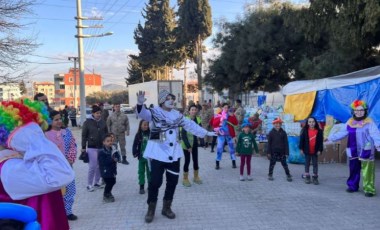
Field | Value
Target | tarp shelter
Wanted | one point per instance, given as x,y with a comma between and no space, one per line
333,95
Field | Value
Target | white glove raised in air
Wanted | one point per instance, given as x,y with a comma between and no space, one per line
211,134
140,97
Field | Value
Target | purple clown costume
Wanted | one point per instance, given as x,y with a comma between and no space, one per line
363,138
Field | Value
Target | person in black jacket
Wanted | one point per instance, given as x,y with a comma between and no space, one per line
93,132
138,148
108,167
278,149
311,144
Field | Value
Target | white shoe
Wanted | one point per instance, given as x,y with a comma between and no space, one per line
90,188
242,178
249,178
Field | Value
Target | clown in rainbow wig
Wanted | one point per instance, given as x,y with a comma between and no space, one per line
363,138
32,168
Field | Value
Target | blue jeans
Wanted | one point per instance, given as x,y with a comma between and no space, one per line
220,146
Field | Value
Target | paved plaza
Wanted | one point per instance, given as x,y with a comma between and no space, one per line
224,202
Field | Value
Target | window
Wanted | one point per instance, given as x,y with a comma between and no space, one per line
70,79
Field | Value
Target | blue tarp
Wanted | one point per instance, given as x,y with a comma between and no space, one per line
336,102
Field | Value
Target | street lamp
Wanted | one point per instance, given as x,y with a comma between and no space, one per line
80,37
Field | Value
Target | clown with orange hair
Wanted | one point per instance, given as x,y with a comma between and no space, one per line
33,170
363,138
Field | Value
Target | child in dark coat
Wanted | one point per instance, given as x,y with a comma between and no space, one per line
278,148
108,167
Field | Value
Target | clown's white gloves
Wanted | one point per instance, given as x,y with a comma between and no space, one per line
140,97
211,134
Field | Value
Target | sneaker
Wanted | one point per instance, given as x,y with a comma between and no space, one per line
289,178
315,181
242,178
90,188
367,194
72,217
249,178
98,186
350,190
125,162
108,198
270,177
307,180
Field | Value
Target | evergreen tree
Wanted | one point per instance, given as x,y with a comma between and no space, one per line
196,25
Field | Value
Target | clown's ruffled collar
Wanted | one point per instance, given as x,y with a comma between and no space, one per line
358,124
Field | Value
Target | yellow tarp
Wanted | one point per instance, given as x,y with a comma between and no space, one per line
300,105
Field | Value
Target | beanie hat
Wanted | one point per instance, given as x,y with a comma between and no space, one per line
95,109
14,114
162,96
245,123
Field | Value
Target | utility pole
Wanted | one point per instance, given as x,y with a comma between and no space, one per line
75,79
80,37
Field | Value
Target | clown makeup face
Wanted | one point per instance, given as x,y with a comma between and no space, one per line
359,112
57,122
311,123
169,103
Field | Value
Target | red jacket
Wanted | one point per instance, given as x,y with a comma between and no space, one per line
215,123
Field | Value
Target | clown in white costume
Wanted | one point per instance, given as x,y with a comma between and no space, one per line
164,150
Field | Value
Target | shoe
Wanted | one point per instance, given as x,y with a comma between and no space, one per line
289,178
72,217
166,209
249,178
270,177
217,165
90,188
367,194
108,198
350,190
242,178
307,179
186,181
233,164
98,186
315,181
212,151
142,191
125,162
150,214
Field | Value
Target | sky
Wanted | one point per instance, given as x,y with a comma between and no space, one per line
52,23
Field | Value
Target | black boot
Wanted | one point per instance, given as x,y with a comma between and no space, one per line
151,210
233,164
166,209
217,165
142,191
125,162
315,180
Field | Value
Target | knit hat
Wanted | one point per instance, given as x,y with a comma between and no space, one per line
14,114
358,103
277,120
95,109
162,96
245,123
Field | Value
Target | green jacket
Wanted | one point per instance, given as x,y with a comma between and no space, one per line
245,144
188,138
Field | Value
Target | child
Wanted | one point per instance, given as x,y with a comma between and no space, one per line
138,149
65,141
278,148
244,149
108,167
311,144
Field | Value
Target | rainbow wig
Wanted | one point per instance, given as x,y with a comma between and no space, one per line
358,103
14,114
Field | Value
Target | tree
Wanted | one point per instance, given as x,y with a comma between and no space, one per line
196,25
22,87
13,48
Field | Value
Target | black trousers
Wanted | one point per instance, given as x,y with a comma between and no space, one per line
194,155
281,158
157,169
110,182
314,159
73,122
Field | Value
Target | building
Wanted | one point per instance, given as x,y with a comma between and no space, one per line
67,87
47,88
9,91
